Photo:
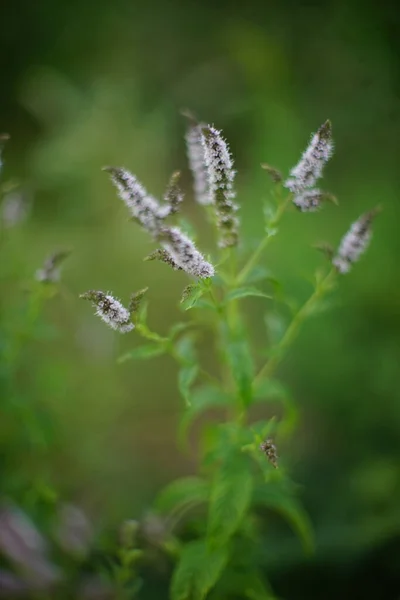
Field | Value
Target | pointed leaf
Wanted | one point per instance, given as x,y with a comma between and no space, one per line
198,570
280,501
143,352
186,490
244,292
230,497
242,367
191,294
202,399
186,378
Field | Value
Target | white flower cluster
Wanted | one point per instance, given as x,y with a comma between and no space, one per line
221,175
308,170
184,254
309,200
179,250
110,310
354,243
195,151
143,207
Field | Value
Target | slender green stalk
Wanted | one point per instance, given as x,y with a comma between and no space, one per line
321,288
263,244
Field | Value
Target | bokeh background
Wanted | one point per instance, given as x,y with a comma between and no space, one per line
85,84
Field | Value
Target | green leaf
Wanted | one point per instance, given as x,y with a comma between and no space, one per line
185,349
178,328
230,497
257,588
244,292
269,390
186,490
202,399
191,294
280,501
198,570
242,367
258,273
186,378
143,352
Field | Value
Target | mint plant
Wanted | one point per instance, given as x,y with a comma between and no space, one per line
207,524
211,518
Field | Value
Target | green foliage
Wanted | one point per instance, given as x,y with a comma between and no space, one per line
245,292
230,498
279,499
241,364
203,399
187,490
238,482
199,567
143,352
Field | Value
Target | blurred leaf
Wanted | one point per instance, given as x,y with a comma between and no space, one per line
258,273
198,570
178,328
257,588
276,325
279,500
271,389
202,399
185,349
244,292
186,377
141,317
230,497
143,352
242,367
186,490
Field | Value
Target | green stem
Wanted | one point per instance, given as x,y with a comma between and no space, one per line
263,244
291,332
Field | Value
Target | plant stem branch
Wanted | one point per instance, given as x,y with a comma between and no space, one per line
263,244
321,288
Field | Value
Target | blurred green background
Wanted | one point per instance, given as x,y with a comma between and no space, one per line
86,84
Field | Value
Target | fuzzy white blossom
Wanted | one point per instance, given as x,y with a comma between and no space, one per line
354,243
221,175
184,253
311,200
110,310
142,206
195,151
309,169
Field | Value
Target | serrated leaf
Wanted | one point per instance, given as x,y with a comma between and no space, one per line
186,378
198,570
143,352
280,501
186,490
202,399
244,292
230,498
